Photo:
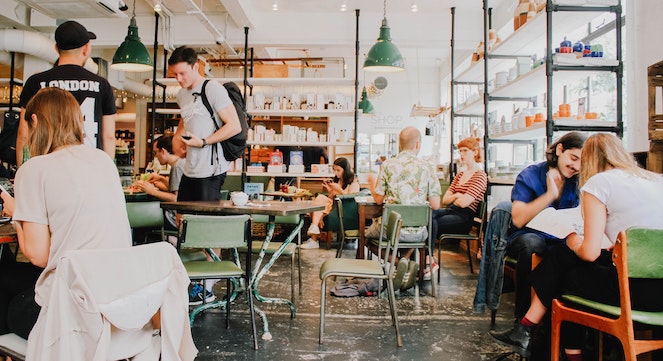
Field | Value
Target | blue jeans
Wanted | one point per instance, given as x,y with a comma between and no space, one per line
491,270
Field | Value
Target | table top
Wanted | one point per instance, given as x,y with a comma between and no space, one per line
269,208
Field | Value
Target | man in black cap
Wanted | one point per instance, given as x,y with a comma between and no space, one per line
94,93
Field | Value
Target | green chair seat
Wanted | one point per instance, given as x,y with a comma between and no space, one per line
271,248
205,269
645,317
353,233
354,266
189,255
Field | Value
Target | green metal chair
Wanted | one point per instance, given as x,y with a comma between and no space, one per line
148,217
413,215
290,251
225,232
637,254
475,234
366,268
348,216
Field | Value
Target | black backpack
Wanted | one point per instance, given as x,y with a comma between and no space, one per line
8,138
233,147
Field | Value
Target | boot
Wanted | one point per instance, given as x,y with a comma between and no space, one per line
518,338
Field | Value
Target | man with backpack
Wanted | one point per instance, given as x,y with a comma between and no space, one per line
201,131
205,166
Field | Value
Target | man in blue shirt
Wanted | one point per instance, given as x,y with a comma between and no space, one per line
553,183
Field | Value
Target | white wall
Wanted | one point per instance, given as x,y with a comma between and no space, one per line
641,49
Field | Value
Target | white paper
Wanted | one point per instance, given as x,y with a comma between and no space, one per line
558,222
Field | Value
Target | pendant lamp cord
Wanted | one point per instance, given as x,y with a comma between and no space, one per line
133,12
384,13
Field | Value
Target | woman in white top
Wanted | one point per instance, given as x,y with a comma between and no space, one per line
68,195
615,194
344,182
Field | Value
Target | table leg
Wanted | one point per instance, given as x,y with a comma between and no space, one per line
258,272
362,226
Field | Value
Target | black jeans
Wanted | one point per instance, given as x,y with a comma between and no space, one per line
18,309
452,219
201,189
521,248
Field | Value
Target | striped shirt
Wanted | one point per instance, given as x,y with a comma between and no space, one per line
475,186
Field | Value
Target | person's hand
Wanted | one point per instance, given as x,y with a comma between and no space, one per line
371,178
146,187
555,183
191,140
8,204
155,177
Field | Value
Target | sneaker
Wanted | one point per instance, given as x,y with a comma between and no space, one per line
401,271
196,295
410,276
310,244
313,229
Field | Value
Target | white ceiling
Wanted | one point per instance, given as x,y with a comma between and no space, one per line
300,28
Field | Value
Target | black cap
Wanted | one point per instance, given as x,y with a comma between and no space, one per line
72,35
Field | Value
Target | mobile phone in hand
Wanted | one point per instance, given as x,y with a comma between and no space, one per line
187,137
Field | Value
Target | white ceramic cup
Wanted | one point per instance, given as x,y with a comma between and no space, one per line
239,198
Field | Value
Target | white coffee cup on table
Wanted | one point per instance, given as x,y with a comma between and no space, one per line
239,198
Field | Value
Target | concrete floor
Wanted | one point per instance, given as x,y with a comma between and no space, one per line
358,328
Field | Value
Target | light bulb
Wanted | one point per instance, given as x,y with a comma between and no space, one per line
275,5
414,8
344,6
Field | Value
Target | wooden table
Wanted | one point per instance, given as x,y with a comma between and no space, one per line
272,209
367,209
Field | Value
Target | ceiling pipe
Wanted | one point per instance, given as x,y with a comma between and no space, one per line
35,44
219,36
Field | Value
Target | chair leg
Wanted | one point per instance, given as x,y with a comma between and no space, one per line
439,259
323,294
469,256
555,325
292,278
341,244
228,291
493,315
299,262
249,294
394,311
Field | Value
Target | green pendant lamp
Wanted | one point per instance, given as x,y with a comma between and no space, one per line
132,55
384,56
364,105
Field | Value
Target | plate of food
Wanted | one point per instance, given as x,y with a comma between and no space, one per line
133,190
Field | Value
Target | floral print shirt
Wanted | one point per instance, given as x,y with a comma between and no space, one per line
406,179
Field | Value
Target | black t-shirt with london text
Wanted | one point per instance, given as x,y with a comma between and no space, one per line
93,93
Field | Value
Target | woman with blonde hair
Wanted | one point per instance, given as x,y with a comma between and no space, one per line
68,196
615,195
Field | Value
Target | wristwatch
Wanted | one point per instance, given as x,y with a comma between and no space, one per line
204,143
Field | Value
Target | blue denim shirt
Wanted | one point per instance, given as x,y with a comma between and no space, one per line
491,270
